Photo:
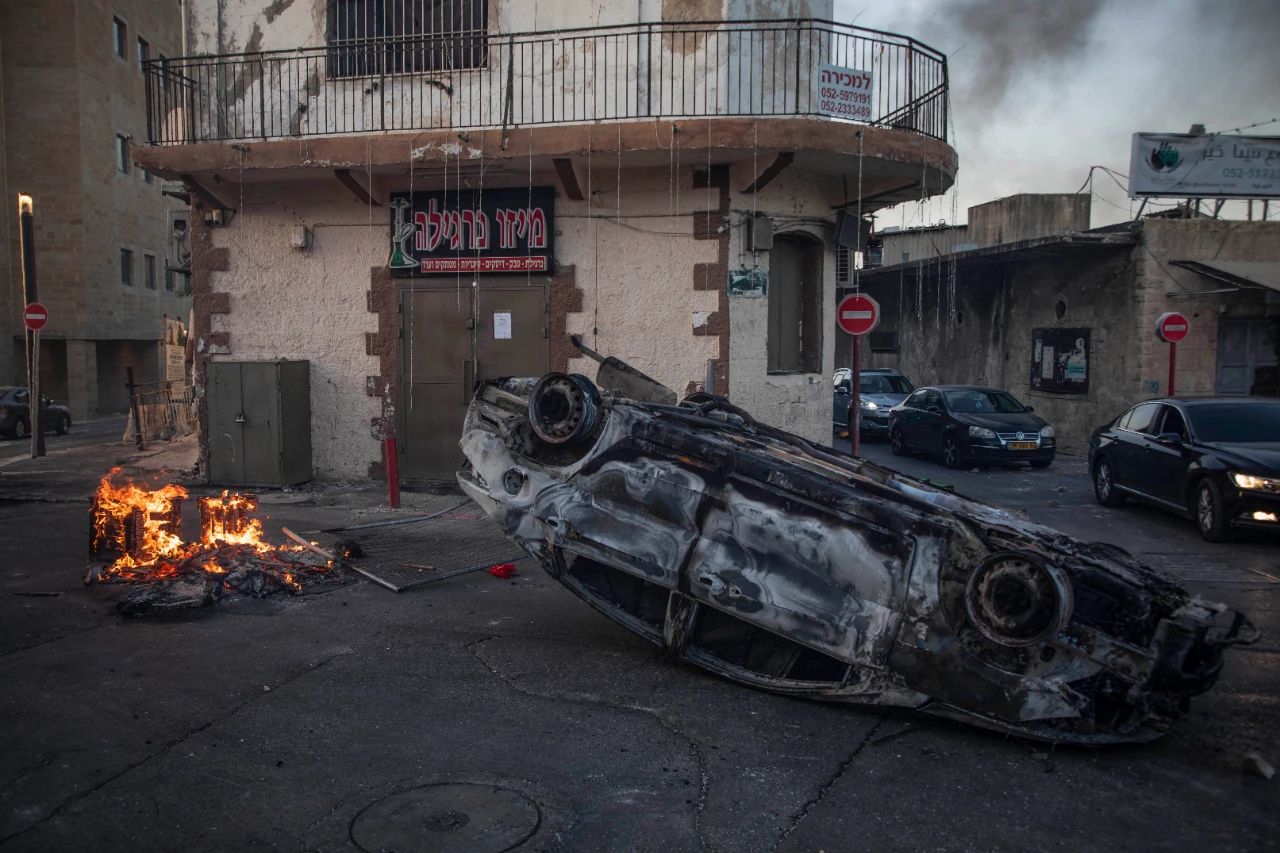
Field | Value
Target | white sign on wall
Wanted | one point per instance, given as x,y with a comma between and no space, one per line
845,92
1204,166
502,325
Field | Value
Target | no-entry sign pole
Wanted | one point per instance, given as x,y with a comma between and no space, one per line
857,314
1172,327
34,317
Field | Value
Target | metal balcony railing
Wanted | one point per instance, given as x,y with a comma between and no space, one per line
470,81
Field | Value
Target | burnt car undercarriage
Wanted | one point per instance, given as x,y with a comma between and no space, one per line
776,563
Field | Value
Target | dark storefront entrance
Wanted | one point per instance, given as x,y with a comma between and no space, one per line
453,336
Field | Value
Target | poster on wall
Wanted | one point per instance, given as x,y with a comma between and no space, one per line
1060,360
472,231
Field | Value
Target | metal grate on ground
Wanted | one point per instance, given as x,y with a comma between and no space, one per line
407,553
1193,569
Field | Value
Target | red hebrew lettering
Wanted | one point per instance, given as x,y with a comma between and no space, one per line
537,229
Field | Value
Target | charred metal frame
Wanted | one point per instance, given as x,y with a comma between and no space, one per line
776,563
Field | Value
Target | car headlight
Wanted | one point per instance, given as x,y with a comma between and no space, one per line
981,432
1046,432
1249,481
867,404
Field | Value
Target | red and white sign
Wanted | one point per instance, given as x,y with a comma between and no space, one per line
35,316
857,314
1172,327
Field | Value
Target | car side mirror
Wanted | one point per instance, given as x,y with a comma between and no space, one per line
934,408
1028,408
1171,438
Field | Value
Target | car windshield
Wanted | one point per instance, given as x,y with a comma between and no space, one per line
1236,422
976,402
879,383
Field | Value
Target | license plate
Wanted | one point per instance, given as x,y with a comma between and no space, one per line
1023,445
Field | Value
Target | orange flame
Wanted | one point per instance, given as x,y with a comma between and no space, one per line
139,530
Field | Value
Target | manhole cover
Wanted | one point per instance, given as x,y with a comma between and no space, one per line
446,817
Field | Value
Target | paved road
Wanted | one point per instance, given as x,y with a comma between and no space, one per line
94,432
476,711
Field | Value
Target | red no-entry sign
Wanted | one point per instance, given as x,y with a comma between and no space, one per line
1172,327
857,314
35,316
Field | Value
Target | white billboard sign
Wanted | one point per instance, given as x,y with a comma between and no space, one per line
845,92
1204,166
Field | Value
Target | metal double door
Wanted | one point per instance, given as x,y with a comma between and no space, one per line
450,338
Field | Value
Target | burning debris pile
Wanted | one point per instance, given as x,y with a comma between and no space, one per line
135,537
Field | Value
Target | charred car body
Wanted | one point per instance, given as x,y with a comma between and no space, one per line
771,561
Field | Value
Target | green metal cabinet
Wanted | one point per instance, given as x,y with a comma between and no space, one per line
259,422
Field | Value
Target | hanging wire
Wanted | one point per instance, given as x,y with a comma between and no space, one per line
857,271
595,241
1262,123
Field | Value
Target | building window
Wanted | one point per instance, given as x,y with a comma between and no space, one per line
405,36
149,267
126,267
144,53
795,305
842,264
146,176
122,153
119,37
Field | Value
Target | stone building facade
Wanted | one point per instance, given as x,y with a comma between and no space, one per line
73,105
690,219
977,316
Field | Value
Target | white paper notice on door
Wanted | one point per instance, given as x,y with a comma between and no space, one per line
502,325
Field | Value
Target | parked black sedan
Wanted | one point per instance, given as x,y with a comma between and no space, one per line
1213,459
970,424
14,414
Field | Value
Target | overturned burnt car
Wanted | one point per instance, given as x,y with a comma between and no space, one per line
776,563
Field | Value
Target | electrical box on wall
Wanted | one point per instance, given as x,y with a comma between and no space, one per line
759,233
300,237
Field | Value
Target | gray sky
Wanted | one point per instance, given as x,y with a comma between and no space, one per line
1041,91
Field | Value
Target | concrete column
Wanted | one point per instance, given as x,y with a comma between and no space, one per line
82,379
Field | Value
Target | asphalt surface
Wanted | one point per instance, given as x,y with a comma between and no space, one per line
479,714
90,433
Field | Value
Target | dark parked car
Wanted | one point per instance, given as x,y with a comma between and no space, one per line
1213,459
879,391
14,418
969,424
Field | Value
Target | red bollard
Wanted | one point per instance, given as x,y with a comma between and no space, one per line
392,457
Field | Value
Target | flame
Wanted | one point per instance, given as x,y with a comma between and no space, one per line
226,519
139,529
141,525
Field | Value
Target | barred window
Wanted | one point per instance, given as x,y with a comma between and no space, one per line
369,37
842,265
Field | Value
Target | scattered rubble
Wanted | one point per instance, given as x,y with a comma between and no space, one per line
1258,766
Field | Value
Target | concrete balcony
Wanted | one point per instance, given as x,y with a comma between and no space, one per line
764,91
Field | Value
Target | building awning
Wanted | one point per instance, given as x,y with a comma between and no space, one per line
1052,246
1246,274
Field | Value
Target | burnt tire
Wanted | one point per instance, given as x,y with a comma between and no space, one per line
564,408
951,452
1209,511
64,425
896,442
1104,484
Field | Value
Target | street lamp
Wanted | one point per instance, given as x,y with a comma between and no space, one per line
27,244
